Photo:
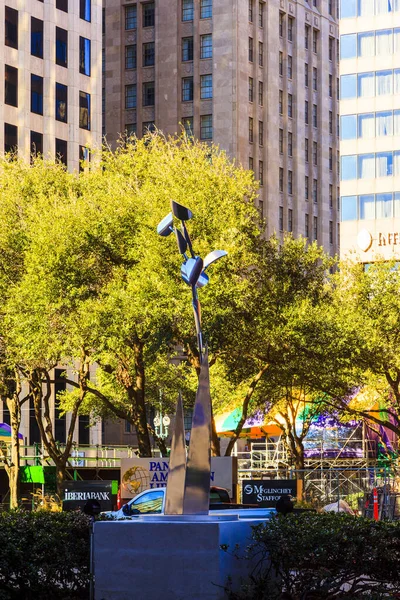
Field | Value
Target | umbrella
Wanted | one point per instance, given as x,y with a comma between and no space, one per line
6,433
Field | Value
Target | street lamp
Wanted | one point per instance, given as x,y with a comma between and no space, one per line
161,422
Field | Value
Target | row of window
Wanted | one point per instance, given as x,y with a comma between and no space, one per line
368,85
370,43
148,13
260,91
260,13
61,146
306,225
148,51
370,125
369,166
370,206
260,52
148,97
205,47
61,97
289,70
260,170
206,127
367,8
260,131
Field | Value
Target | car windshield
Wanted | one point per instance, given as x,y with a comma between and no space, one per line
148,503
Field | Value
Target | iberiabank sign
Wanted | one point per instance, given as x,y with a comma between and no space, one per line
77,493
266,492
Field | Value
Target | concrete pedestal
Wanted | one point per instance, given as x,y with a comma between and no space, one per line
170,558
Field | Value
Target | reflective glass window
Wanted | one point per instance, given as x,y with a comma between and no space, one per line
348,167
348,86
349,208
365,8
366,166
366,85
348,127
384,42
366,44
366,125
384,164
384,83
384,123
384,206
366,206
348,8
348,46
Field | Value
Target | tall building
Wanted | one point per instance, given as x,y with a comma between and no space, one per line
260,79
50,97
370,128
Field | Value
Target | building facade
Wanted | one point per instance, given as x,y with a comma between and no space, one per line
259,79
370,128
50,99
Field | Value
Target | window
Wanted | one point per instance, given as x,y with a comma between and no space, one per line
205,9
260,14
250,49
290,143
130,57
348,168
148,93
62,151
187,89
306,230
36,143
261,172
251,89
330,88
315,79
306,75
130,96
85,10
289,67
290,29
260,93
306,112
348,125
280,179
306,187
187,10
306,36
290,220
131,17
36,94
11,27
281,218
130,129
187,48
61,102
188,126
349,208
260,54
281,141
290,182
250,11
84,56
330,7
348,86
150,503
330,122
148,127
315,228
330,159
315,41
62,5
348,45
280,102
148,14
206,46
10,138
330,196
61,47
206,129
251,164
84,110
331,50
315,115
306,149
290,105
11,85
36,37
148,54
251,130
281,21
261,133
206,89
315,153
280,63
315,191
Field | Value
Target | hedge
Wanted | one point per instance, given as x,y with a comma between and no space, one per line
326,556
44,556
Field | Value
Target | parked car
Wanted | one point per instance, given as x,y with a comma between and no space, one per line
153,502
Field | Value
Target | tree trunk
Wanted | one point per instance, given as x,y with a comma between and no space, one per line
140,417
13,471
215,443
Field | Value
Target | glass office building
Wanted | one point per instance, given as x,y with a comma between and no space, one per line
370,128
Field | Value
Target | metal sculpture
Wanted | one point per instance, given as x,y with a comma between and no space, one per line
188,484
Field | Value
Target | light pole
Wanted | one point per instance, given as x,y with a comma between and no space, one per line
161,422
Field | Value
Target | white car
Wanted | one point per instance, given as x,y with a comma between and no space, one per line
152,502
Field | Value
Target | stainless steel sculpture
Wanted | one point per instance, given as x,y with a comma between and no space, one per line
188,484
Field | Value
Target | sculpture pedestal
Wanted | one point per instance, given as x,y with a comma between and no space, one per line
171,558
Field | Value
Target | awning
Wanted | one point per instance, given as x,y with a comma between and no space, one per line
254,427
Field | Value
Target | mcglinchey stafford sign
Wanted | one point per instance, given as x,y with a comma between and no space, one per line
265,492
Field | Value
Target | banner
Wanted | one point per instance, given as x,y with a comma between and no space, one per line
139,474
266,492
77,493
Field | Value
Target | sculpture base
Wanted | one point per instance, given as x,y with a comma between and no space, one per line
171,558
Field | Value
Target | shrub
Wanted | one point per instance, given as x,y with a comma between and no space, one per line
314,556
44,556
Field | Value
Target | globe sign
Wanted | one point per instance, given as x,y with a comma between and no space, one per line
136,480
